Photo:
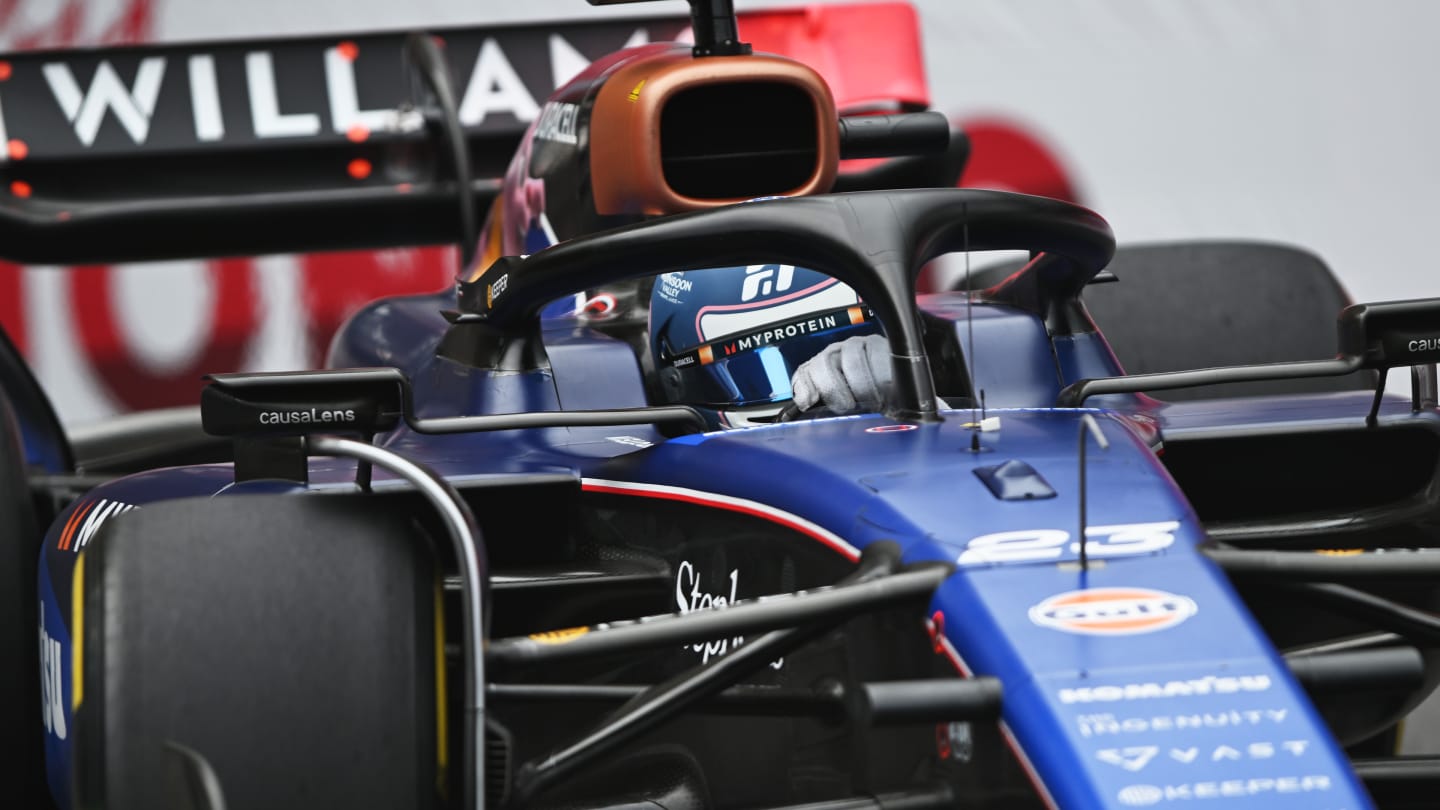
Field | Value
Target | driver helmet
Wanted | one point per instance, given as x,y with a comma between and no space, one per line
730,339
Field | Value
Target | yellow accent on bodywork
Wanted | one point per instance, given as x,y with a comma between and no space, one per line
492,239
77,632
442,733
559,636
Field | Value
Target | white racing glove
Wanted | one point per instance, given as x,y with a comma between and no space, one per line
850,375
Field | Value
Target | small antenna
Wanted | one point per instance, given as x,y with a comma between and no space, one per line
970,327
1422,388
712,22
1088,425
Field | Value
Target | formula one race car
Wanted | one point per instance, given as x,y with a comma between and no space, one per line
555,538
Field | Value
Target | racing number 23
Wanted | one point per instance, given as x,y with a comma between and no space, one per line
1039,545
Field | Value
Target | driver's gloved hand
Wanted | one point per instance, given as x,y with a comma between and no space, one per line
851,375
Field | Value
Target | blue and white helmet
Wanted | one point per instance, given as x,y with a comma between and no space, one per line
732,337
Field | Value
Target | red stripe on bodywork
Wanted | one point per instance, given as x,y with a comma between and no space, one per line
74,523
699,498
943,644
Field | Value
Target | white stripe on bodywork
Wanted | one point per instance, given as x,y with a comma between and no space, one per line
96,519
826,536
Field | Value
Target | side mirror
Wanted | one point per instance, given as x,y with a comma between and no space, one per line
364,401
269,413
1392,334
1380,336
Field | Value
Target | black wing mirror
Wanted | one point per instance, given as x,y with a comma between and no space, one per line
1393,334
1380,336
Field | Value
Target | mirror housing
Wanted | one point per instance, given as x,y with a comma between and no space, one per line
1392,334
365,401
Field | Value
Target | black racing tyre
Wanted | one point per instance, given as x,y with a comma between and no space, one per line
22,768
286,646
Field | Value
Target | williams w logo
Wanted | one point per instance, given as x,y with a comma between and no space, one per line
764,279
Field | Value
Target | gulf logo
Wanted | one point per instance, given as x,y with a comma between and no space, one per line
1113,611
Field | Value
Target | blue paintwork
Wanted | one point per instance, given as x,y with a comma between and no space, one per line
41,451
1341,409
1017,334
53,631
1251,737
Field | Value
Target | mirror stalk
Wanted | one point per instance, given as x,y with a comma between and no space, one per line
1423,395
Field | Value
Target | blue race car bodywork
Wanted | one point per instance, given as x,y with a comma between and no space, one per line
638,607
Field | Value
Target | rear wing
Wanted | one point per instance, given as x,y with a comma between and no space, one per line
269,146
327,143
